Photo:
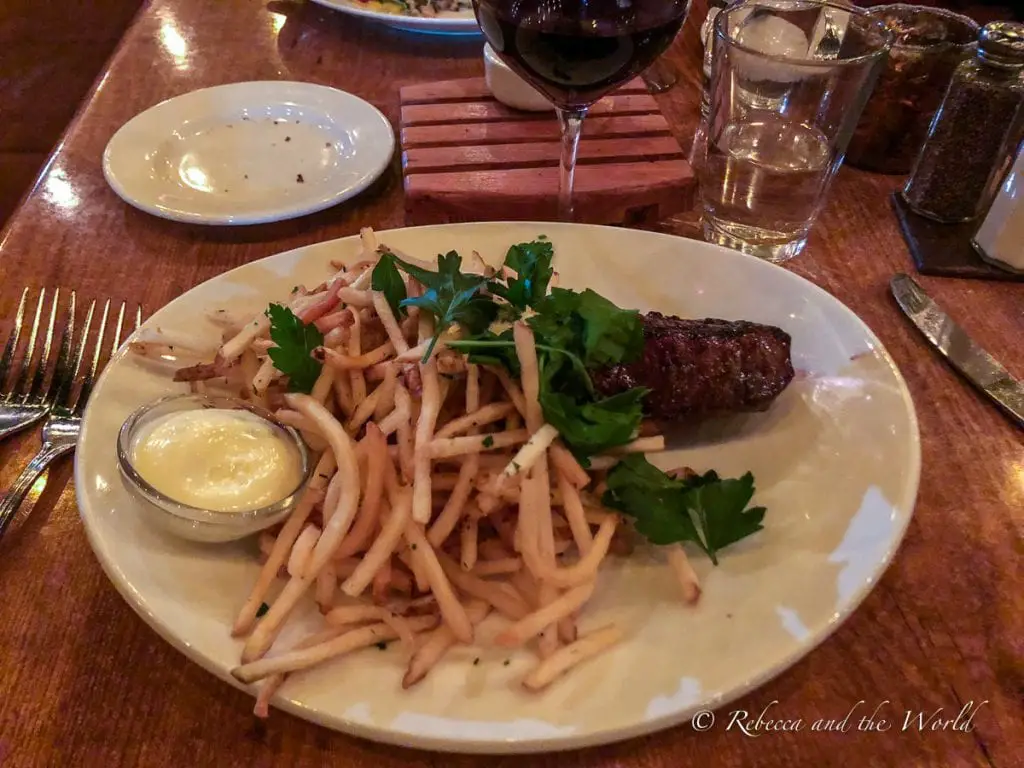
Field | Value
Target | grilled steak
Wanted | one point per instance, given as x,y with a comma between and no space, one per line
703,367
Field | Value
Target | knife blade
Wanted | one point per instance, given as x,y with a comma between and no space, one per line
963,353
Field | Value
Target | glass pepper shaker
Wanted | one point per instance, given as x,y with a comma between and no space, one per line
972,136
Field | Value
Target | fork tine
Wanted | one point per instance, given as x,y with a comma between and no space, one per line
44,358
138,317
62,377
26,364
12,340
116,341
90,375
64,395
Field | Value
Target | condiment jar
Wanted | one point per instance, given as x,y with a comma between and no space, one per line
929,44
972,136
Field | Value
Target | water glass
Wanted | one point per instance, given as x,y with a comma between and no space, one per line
788,82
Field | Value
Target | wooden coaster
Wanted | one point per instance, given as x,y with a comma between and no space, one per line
945,250
467,157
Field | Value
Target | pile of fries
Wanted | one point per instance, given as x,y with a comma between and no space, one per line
440,496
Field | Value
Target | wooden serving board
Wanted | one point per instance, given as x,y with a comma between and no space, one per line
467,157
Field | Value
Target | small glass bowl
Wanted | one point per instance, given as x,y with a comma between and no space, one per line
190,522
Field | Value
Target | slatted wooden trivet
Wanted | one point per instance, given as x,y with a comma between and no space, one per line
467,157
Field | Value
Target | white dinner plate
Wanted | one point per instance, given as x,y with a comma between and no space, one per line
448,23
836,461
248,153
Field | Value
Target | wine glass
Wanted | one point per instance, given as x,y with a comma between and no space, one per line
576,51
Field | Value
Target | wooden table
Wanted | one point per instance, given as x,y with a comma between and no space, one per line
86,683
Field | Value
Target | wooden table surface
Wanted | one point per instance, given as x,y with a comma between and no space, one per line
85,682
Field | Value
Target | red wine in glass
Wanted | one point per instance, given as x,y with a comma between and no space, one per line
576,51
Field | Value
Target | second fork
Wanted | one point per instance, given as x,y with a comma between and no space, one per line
62,427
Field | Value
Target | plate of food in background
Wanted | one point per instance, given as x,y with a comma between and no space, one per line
438,17
573,483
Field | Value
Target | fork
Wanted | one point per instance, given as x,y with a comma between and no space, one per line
25,403
62,426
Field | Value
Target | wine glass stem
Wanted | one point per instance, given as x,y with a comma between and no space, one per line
571,121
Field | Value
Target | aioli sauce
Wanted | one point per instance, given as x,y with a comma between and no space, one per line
223,460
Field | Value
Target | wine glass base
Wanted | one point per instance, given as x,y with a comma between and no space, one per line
753,241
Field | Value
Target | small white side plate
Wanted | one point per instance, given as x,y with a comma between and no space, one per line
248,153
454,23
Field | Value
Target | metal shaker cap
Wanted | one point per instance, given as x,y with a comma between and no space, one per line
1002,43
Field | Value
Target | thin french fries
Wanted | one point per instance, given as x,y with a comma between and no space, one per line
452,611
326,583
307,657
572,506
382,548
302,549
273,682
437,644
460,446
488,414
568,465
338,361
497,567
357,378
429,409
533,624
387,317
532,451
687,577
283,544
510,604
344,452
569,656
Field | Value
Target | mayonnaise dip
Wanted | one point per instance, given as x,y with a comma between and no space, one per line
225,460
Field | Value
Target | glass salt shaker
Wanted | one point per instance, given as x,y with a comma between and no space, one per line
1000,238
972,136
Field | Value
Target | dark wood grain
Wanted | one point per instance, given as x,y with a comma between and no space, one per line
86,683
50,53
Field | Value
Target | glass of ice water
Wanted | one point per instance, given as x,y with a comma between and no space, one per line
789,79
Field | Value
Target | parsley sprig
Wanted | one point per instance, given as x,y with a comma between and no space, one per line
386,279
295,344
574,331
532,264
705,509
450,295
577,331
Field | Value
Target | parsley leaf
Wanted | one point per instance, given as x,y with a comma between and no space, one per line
590,427
611,335
451,297
707,510
295,344
386,279
597,330
532,263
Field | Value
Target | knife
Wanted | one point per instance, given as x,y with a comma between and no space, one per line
977,365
